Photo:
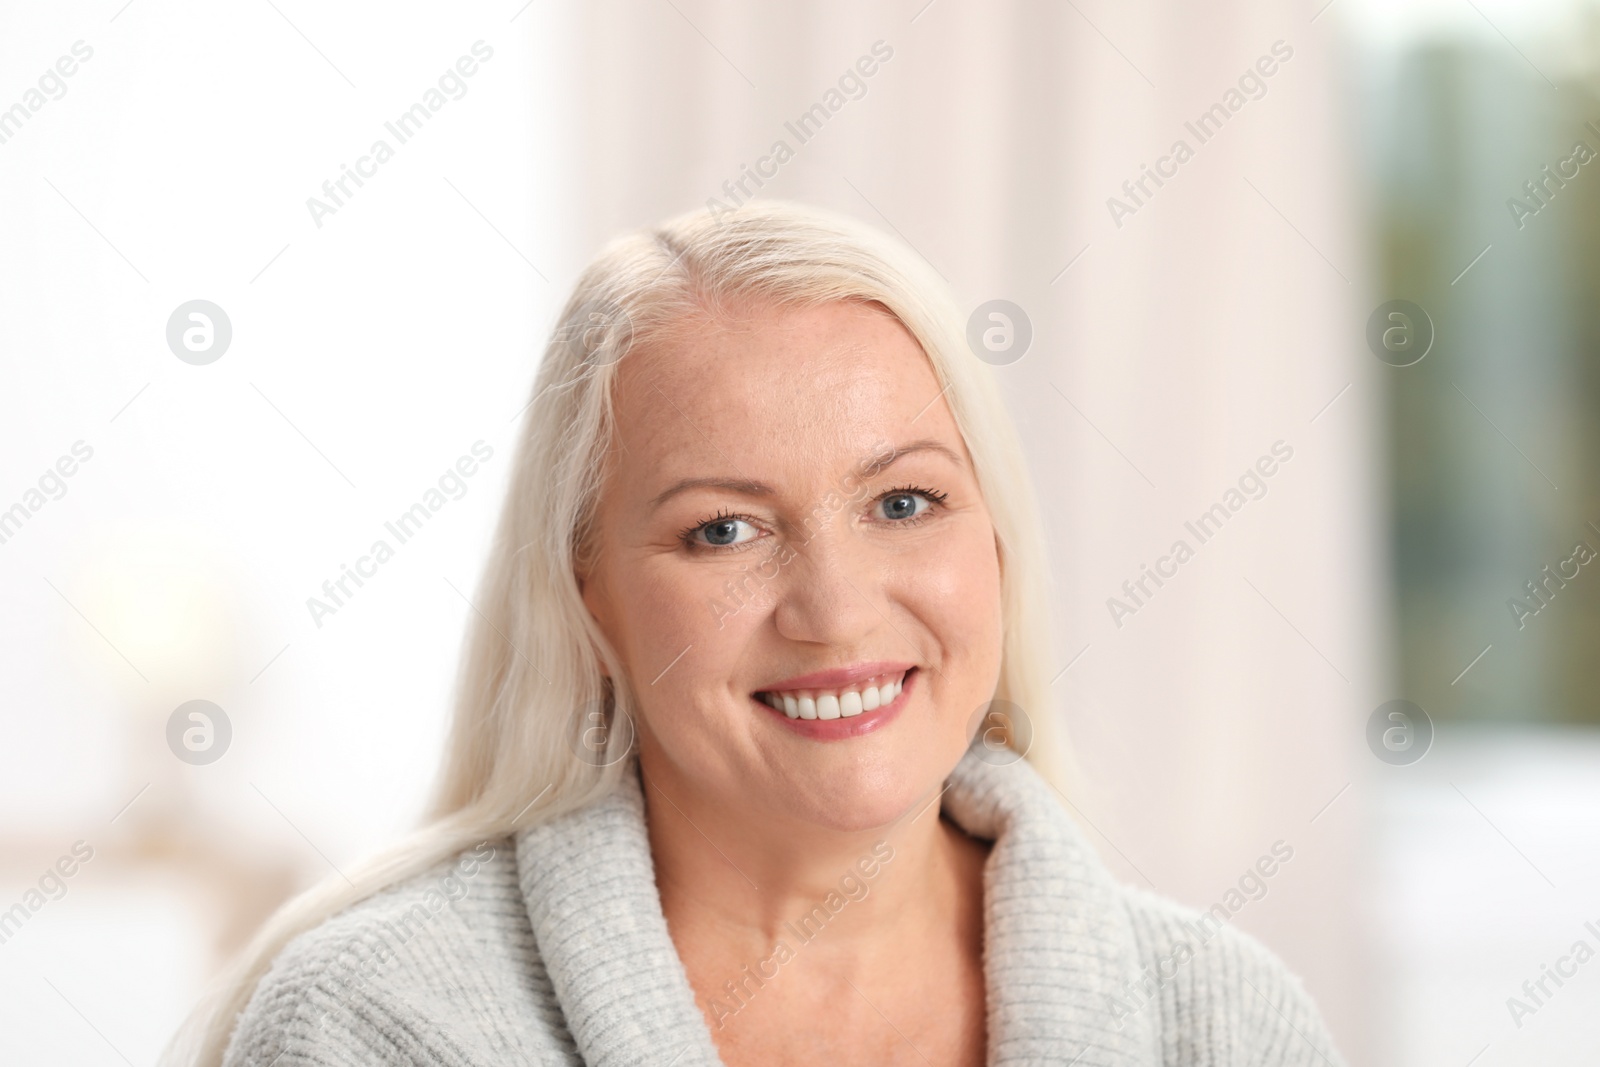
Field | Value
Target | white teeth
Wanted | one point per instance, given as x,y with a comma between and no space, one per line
834,704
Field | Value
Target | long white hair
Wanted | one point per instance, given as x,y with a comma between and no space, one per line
532,664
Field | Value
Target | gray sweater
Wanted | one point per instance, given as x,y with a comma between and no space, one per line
551,948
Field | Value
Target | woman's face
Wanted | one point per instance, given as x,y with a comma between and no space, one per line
790,495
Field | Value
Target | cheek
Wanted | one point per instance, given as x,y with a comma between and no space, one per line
678,627
959,602
657,616
958,592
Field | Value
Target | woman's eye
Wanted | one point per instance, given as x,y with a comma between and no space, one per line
904,505
724,532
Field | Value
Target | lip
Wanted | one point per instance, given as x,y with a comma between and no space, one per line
856,725
839,677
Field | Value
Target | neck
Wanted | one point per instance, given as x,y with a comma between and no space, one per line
737,882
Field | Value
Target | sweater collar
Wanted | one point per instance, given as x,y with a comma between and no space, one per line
1058,942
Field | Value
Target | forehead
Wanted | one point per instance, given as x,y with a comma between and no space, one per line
779,389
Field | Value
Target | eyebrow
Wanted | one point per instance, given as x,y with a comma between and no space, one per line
876,463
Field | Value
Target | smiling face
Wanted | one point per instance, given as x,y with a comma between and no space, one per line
790,495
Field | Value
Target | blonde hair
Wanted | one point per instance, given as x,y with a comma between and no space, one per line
532,660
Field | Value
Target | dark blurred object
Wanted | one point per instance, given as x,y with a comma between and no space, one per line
1487,175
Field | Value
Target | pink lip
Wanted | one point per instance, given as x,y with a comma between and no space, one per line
856,725
839,677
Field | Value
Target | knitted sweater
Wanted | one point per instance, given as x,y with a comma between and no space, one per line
550,947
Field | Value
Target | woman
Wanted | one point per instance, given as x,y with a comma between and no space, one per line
736,769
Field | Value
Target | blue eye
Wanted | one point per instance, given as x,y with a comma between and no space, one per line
903,505
723,531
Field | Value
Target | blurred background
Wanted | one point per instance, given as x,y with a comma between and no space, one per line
175,491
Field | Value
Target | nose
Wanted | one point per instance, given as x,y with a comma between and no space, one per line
834,591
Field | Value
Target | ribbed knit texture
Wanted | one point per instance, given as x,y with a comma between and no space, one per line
558,953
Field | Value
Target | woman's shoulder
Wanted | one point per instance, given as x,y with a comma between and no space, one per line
1207,981
403,975
1190,982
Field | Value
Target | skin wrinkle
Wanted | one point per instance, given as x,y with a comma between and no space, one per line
793,399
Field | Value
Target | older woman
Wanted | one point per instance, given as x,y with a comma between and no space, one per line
736,769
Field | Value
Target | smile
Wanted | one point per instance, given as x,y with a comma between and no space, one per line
845,702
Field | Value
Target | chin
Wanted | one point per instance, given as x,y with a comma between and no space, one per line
861,793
